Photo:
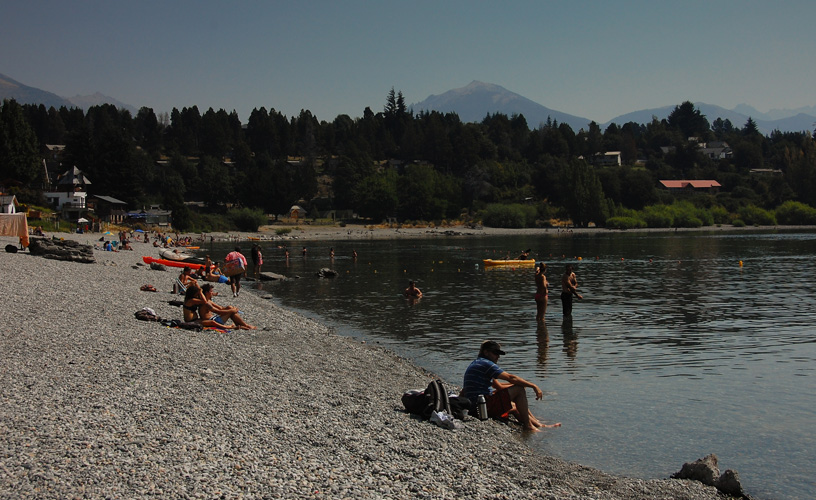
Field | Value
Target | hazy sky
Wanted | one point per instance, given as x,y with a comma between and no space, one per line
592,59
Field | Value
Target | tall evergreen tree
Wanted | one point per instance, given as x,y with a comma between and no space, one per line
19,158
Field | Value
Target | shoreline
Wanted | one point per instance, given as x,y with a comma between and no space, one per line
380,232
97,403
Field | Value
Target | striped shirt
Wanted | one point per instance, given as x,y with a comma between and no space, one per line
479,378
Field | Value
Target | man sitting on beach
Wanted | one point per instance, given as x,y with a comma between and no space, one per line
481,378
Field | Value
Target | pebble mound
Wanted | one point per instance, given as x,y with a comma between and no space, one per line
97,404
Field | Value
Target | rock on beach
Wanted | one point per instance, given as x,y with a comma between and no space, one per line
98,404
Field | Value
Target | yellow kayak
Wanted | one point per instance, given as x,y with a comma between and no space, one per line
511,262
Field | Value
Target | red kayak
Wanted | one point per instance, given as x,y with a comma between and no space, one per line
172,263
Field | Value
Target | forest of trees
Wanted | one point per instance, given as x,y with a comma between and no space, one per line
427,166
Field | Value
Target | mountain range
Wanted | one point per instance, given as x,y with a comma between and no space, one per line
474,101
23,94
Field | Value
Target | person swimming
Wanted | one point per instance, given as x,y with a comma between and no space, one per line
412,291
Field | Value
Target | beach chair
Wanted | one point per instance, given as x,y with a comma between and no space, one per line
178,287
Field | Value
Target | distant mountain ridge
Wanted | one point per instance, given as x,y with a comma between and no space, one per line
796,123
23,94
474,101
97,99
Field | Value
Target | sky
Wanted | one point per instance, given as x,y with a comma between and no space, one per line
596,60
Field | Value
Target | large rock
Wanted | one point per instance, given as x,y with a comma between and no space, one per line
704,470
729,484
707,471
327,273
62,250
267,276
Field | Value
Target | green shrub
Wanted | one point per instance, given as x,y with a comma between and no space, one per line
247,219
720,215
685,219
658,216
796,214
705,216
753,215
738,223
208,223
624,223
513,216
281,231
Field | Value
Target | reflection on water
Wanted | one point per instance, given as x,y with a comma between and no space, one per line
673,338
543,341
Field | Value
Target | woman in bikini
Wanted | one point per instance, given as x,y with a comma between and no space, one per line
210,311
541,290
193,300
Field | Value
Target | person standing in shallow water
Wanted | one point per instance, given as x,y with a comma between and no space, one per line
569,287
542,291
257,259
412,292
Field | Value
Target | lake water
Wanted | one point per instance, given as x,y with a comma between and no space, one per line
675,352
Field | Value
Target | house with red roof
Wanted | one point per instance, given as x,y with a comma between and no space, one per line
690,186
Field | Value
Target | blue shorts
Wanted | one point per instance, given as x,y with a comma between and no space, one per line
218,319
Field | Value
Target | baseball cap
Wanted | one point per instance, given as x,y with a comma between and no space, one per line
492,345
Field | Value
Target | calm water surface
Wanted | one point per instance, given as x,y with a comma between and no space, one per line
675,352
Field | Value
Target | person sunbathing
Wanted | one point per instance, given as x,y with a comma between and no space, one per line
193,299
214,275
209,310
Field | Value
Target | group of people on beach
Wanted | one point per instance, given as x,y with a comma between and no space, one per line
504,393
199,306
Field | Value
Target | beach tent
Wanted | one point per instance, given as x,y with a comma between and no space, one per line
82,220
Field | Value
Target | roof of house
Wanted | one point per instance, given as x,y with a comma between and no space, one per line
73,176
110,199
696,184
7,199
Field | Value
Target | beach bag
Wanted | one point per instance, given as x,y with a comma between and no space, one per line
424,403
460,406
233,267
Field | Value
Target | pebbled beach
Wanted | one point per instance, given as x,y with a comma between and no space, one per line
96,404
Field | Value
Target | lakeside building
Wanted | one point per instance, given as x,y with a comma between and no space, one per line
690,186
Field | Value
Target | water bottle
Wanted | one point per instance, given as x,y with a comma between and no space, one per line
481,410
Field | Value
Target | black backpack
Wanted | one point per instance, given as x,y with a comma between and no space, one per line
423,403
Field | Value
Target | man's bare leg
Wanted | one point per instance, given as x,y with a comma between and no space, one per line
519,396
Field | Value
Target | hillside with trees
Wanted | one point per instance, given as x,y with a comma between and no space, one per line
427,166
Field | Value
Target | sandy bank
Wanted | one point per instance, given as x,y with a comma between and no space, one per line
98,404
382,232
